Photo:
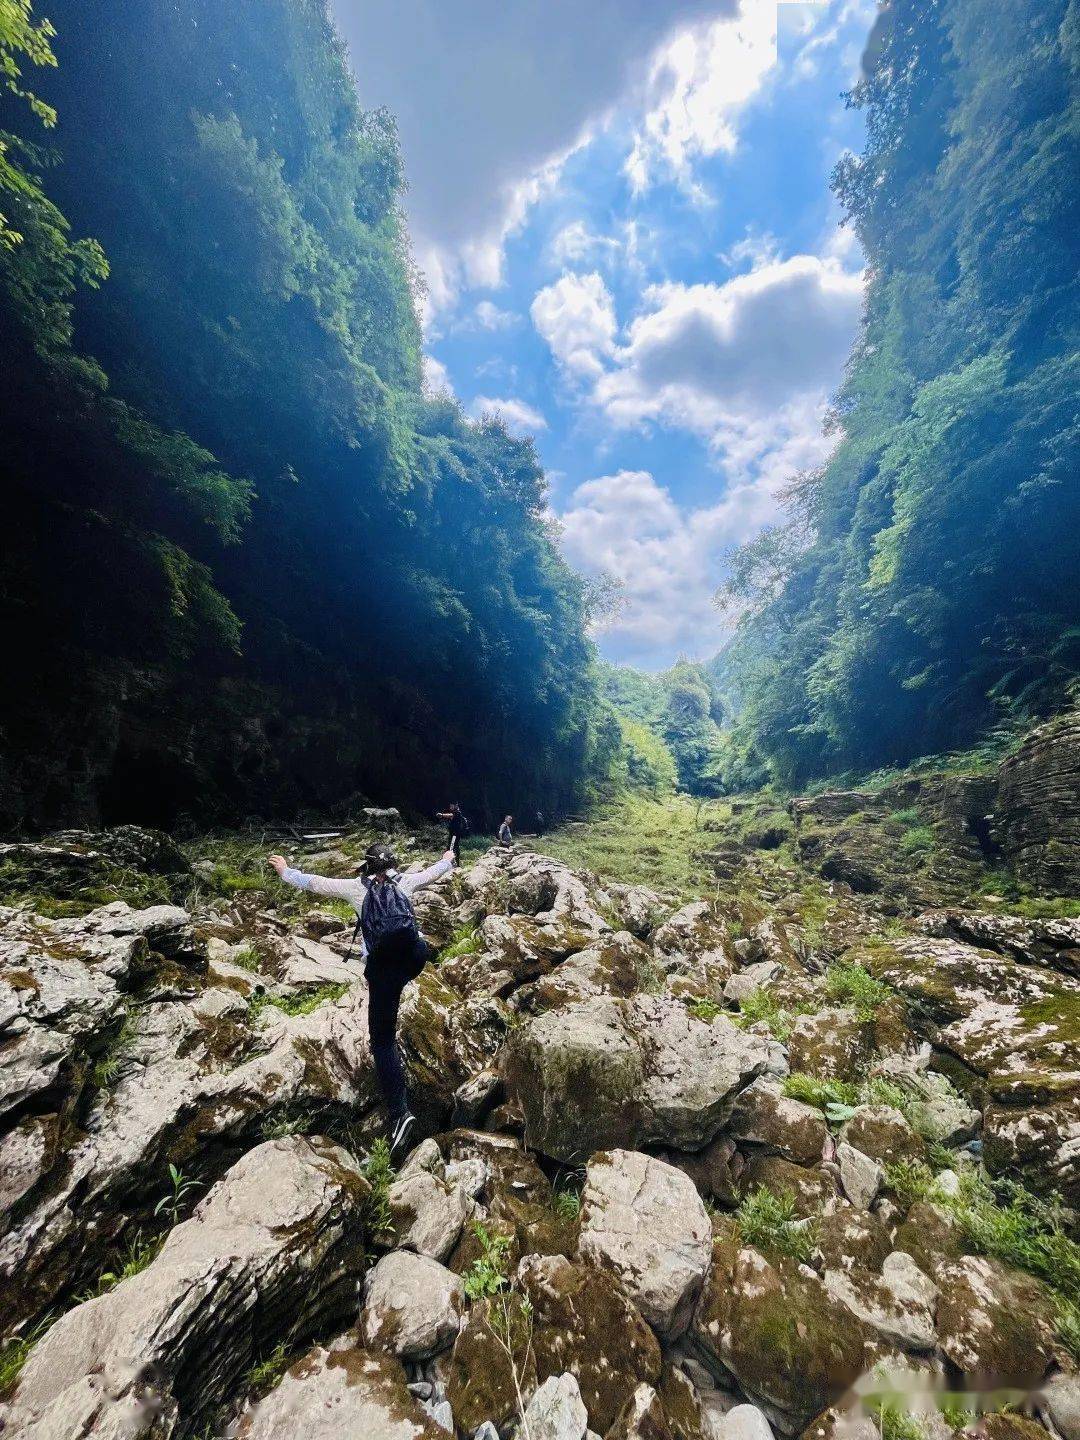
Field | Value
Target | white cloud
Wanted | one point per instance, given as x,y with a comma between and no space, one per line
698,84
669,562
436,378
575,242
576,316
710,358
489,317
490,98
520,417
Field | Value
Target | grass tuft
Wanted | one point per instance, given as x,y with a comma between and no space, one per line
768,1222
852,984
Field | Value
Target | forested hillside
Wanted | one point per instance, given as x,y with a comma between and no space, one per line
248,565
925,580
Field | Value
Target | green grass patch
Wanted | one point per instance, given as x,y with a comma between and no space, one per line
812,1091
639,841
267,1373
248,959
134,1259
760,1005
295,1004
704,1009
910,1180
15,1352
465,941
107,1067
917,841
768,1222
906,818
894,1422
853,985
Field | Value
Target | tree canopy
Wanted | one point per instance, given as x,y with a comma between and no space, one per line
252,565
924,578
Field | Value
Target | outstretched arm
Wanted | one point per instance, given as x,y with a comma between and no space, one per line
317,884
442,867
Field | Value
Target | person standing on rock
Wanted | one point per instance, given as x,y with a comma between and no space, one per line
506,833
457,828
395,952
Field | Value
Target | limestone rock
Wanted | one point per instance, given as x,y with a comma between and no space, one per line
745,1422
556,1411
412,1306
882,1133
898,1306
644,1220
776,1329
1037,817
607,1072
1053,943
860,1176
271,1247
992,1322
1061,1401
428,1212
764,1116
641,1418
340,1394
583,1322
831,1045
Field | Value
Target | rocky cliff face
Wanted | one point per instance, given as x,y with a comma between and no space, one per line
693,1171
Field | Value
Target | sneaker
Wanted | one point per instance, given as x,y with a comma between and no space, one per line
401,1133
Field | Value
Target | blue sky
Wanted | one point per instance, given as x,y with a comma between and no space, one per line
622,214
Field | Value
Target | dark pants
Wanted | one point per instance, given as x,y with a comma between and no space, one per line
453,842
388,971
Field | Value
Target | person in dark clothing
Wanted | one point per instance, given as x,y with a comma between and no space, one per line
540,822
395,953
457,827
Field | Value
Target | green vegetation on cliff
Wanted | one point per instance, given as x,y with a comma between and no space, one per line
924,576
248,561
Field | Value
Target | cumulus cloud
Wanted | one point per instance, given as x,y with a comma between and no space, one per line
669,561
576,316
713,357
699,82
520,417
436,378
490,99
489,317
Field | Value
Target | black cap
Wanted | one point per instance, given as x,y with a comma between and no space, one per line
379,858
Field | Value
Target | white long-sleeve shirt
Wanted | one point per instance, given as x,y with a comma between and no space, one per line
355,888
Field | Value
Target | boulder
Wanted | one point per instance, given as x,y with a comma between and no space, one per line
776,1330
412,1306
340,1394
898,1305
1053,943
583,1322
556,1411
993,1323
882,1133
607,1072
860,1176
1061,1402
831,1045
1016,1029
745,1422
764,1116
267,1256
641,1418
644,1221
428,1211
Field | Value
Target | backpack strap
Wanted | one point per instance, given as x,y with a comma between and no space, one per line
358,925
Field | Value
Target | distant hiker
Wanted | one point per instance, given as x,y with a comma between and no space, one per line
506,834
539,822
457,828
395,952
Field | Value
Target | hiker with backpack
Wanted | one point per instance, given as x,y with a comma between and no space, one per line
457,828
394,950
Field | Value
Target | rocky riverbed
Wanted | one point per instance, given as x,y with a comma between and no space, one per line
742,1167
